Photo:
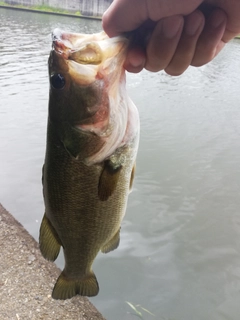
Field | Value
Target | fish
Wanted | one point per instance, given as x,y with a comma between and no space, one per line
91,148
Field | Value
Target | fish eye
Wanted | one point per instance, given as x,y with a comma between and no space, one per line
57,81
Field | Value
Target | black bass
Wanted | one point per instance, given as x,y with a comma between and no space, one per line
92,142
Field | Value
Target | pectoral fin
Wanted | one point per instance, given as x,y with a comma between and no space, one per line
132,177
48,240
112,244
108,180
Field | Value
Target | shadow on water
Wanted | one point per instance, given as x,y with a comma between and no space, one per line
179,256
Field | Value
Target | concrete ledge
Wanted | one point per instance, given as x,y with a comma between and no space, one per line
29,9
27,279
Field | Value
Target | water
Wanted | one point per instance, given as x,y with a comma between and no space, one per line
180,241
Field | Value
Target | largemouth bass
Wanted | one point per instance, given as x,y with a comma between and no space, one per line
92,141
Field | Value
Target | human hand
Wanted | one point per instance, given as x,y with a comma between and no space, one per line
183,32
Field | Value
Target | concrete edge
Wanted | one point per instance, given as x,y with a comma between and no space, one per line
49,12
27,279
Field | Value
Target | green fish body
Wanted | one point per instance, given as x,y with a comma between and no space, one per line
92,141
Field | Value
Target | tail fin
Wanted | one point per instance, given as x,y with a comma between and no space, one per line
66,288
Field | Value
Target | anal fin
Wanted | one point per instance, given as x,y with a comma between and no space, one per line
49,242
112,244
108,180
66,288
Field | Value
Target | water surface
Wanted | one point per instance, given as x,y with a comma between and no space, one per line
180,241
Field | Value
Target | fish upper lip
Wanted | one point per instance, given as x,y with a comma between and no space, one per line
56,44
59,45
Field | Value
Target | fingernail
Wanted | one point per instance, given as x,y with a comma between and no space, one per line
217,18
171,26
193,24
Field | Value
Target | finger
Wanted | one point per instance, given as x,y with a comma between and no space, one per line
232,9
209,43
128,15
163,43
135,61
193,26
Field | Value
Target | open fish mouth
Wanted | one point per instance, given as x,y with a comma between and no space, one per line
85,48
77,47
